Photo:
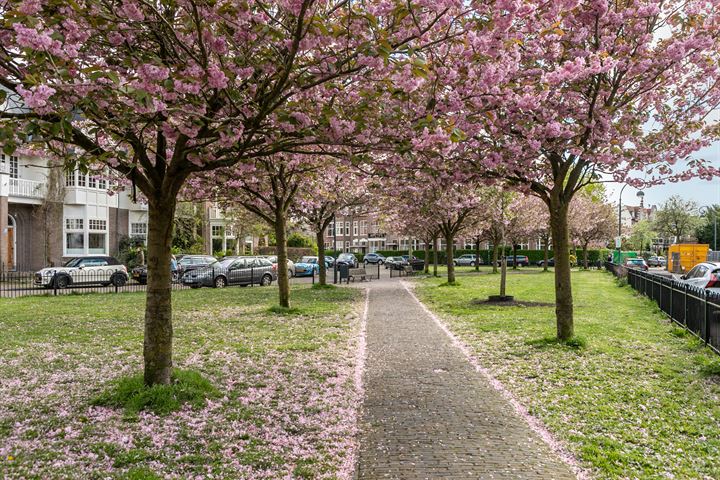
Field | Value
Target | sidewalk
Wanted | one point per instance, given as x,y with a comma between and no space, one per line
428,414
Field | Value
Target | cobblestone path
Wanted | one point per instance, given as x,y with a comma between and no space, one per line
428,414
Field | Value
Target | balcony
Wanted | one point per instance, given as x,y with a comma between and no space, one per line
26,188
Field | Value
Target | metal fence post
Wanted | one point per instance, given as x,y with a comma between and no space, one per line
706,318
378,265
54,281
685,314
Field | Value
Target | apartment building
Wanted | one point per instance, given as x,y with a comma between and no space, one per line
48,216
358,232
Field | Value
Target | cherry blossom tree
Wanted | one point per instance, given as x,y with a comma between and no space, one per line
587,90
592,223
330,191
162,91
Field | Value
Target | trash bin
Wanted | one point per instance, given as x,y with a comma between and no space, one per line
344,270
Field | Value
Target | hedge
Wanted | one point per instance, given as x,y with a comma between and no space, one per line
294,253
534,256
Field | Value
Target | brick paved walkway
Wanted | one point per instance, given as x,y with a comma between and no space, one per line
428,414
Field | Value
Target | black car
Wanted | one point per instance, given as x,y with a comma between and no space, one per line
551,262
232,271
522,260
139,273
347,259
188,263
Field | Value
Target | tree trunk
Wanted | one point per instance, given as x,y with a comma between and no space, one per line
157,346
503,275
435,256
426,266
477,254
563,287
449,254
281,237
546,247
585,256
495,258
320,239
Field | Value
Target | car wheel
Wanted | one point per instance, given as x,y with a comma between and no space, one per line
472,264
290,273
220,282
175,277
62,281
119,280
381,262
266,280
455,264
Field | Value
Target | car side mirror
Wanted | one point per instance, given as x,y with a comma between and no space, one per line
683,277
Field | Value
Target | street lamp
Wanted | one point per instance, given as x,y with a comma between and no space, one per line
714,211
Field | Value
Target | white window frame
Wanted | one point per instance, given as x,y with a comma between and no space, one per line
74,225
355,228
97,226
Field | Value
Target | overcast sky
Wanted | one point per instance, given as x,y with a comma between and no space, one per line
701,191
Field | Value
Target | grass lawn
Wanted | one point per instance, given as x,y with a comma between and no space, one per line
285,405
640,400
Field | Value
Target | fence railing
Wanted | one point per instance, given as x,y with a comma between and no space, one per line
696,309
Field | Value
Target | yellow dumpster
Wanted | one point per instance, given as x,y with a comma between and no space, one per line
684,256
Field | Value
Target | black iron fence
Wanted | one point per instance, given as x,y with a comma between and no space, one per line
694,308
23,283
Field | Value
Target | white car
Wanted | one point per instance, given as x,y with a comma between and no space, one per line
290,265
96,270
704,275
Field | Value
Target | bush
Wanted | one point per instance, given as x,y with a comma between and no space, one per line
131,394
298,240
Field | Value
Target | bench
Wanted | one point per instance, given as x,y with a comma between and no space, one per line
359,273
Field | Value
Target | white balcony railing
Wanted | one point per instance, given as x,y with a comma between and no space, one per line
26,188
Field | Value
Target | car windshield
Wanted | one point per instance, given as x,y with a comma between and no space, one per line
636,261
73,262
224,263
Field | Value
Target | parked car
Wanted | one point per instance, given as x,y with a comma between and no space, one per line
232,271
139,273
308,266
395,263
522,260
188,263
415,262
656,261
374,258
347,259
330,259
551,262
704,275
467,259
290,264
638,263
95,270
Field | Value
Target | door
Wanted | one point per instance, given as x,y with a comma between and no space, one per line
9,259
235,272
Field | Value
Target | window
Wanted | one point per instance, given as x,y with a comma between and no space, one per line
13,167
355,228
363,227
74,236
347,244
138,229
347,228
92,181
81,179
230,231
98,224
97,236
70,179
330,228
217,231
102,184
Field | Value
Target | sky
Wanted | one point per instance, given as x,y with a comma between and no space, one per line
702,192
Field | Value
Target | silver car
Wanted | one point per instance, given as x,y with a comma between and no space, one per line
704,275
467,260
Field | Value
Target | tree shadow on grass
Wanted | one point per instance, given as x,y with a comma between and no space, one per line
574,343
